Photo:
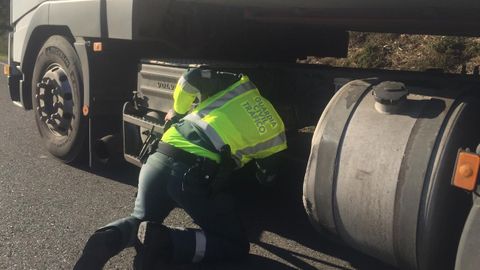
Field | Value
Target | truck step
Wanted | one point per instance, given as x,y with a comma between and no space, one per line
136,124
132,159
142,122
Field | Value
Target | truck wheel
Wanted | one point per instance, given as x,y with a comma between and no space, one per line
57,98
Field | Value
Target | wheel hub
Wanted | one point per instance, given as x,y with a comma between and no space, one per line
54,99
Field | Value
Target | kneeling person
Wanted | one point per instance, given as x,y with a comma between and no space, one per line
231,126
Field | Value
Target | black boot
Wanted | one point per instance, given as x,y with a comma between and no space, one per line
100,247
154,246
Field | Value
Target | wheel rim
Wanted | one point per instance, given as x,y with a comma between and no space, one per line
55,101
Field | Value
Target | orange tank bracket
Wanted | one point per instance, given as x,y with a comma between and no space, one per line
467,166
97,46
85,110
6,70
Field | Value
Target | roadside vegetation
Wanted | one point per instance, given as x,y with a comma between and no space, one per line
4,20
3,48
408,52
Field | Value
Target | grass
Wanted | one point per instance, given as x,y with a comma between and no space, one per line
408,52
3,48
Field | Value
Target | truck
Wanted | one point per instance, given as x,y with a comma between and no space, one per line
388,157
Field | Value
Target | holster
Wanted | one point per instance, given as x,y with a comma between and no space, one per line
225,169
205,176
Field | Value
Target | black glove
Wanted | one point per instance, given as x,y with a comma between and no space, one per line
265,177
171,118
267,170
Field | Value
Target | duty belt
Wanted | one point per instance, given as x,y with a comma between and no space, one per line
187,158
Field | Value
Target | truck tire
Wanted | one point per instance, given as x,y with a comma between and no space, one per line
57,99
378,176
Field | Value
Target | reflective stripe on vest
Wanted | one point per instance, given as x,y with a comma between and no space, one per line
263,136
238,156
275,141
186,86
196,117
183,96
208,130
237,91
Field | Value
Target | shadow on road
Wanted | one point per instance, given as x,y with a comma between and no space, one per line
121,172
280,211
277,212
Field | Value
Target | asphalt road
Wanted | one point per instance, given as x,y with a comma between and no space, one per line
48,210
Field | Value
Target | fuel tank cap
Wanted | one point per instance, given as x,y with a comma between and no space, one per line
389,96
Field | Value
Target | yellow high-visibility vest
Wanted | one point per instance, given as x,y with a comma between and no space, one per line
238,116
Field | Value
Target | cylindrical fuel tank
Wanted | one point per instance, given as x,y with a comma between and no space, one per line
378,176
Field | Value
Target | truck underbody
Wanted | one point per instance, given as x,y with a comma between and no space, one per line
99,89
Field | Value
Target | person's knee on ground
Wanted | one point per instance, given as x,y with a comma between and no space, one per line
219,249
154,246
159,245
100,247
107,242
